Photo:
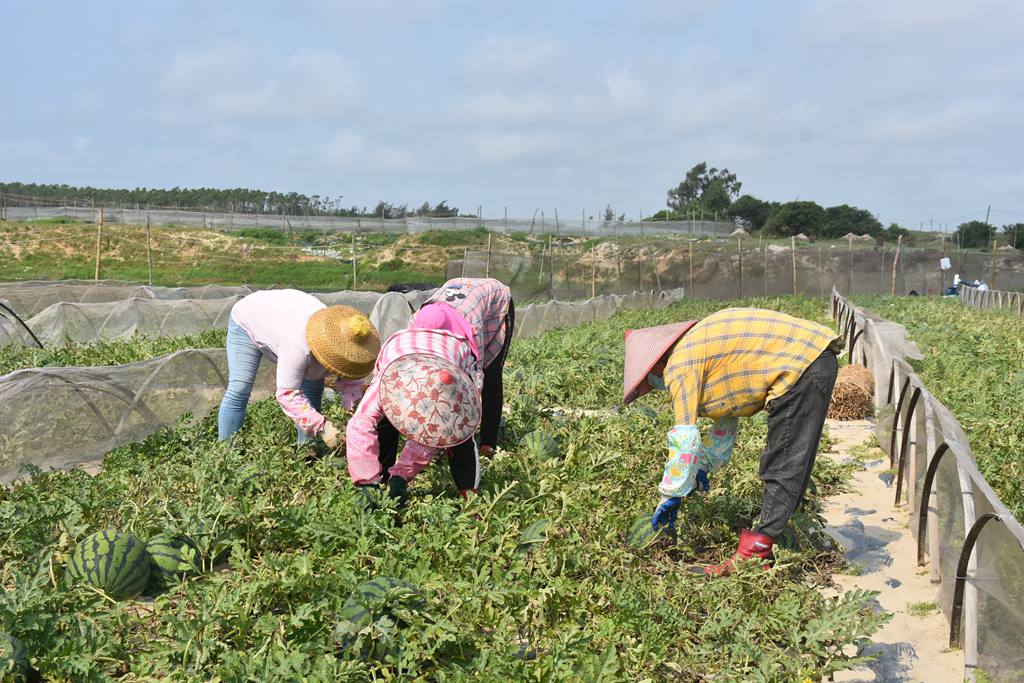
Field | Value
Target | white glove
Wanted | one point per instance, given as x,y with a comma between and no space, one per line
331,436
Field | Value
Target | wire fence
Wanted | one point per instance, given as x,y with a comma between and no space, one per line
734,268
21,208
969,540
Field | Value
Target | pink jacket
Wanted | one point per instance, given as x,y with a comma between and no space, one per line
362,446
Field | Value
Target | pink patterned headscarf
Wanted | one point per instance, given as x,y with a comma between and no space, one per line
441,316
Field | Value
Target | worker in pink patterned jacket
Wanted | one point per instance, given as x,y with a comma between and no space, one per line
307,340
436,381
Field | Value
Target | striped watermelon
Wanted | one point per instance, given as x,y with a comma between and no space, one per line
641,534
533,535
14,665
114,562
539,444
370,601
171,558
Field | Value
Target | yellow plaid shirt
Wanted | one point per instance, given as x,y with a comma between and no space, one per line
735,360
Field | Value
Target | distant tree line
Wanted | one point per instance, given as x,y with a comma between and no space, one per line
710,192
238,200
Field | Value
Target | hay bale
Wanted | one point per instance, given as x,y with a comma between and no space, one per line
851,397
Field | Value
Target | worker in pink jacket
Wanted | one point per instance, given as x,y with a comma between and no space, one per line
307,340
435,382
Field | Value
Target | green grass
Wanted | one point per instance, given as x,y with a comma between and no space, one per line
295,541
922,609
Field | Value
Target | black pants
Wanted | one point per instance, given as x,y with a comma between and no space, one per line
464,459
795,421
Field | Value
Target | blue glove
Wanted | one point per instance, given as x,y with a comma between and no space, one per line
702,481
666,514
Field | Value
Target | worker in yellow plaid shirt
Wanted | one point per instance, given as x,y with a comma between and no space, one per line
735,363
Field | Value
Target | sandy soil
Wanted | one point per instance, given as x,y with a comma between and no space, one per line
878,541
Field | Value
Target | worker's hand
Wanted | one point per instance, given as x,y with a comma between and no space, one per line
487,451
331,436
702,481
666,514
398,489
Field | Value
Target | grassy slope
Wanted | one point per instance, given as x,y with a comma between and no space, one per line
576,607
973,363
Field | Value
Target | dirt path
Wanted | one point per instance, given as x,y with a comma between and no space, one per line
913,645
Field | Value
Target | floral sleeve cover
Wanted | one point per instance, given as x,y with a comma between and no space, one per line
303,414
681,467
716,449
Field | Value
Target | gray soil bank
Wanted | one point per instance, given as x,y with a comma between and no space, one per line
880,547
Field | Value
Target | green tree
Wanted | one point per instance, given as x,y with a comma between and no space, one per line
750,211
844,219
793,218
699,179
974,234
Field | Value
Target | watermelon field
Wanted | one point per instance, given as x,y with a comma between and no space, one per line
267,565
974,363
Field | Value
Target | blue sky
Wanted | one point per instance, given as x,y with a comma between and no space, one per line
911,109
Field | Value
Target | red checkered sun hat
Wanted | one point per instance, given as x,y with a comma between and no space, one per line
644,348
430,400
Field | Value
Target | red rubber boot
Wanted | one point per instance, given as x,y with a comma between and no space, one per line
752,545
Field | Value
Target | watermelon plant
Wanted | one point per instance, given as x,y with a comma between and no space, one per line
529,580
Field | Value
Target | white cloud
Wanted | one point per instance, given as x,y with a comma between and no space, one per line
500,58
350,150
243,83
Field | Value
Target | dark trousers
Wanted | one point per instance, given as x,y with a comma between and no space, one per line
795,421
464,459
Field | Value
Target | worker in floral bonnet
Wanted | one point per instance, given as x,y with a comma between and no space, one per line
307,340
733,364
436,381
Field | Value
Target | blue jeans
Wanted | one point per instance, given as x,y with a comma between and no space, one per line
243,363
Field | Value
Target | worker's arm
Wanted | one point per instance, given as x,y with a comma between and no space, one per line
716,449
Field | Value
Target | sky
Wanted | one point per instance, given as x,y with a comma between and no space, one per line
913,110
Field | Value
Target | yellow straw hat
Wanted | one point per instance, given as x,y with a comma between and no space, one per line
343,340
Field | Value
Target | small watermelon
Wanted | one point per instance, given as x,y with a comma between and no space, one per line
116,563
539,444
14,665
533,535
641,534
172,557
370,601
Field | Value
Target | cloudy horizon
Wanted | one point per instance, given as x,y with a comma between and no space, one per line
910,110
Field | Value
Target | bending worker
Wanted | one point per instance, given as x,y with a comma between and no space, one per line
435,382
733,364
307,340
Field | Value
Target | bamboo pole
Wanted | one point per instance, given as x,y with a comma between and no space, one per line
354,261
465,257
881,276
992,273
793,250
99,237
487,269
149,249
849,269
689,291
766,270
821,276
896,260
739,249
593,274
